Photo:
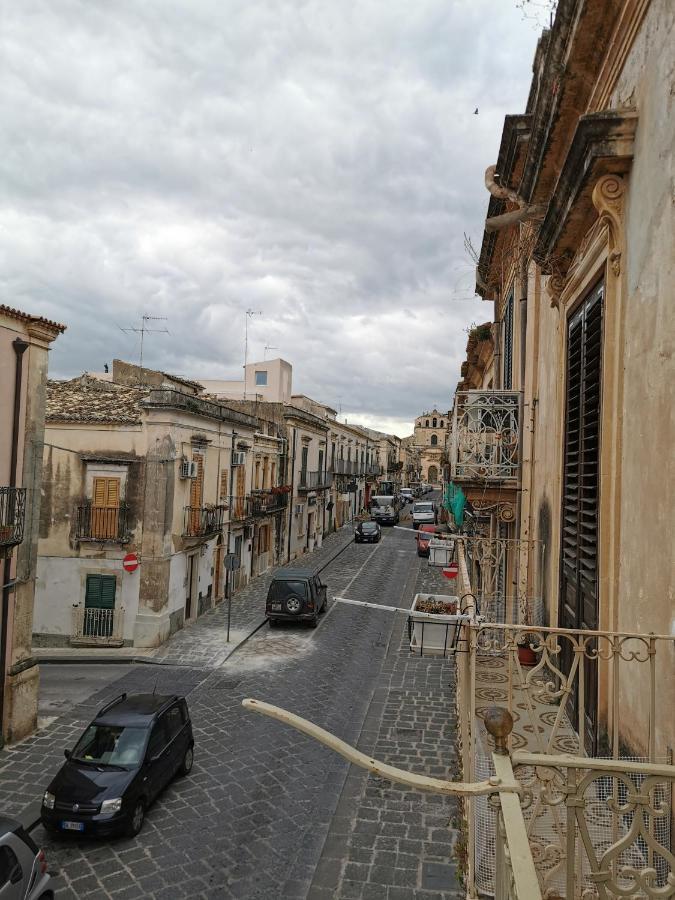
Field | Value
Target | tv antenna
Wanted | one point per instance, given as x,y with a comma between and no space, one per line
143,330
268,347
249,315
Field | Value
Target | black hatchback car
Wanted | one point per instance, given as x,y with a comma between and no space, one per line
129,753
367,533
296,595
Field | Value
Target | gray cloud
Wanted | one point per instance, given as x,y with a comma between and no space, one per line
316,160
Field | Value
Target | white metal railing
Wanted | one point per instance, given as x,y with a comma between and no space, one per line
485,440
93,626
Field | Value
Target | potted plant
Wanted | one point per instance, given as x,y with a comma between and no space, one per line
527,643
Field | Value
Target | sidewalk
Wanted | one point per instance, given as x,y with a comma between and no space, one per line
203,644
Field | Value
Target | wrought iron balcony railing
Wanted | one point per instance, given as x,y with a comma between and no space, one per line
314,481
103,523
201,521
97,627
590,821
12,516
485,440
266,503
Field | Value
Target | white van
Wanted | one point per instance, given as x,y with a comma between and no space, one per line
423,513
406,495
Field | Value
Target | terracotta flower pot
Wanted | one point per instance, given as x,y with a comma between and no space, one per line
526,655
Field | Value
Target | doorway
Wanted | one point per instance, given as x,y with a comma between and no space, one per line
191,592
218,571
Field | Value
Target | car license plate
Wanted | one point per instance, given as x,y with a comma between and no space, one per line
276,607
72,826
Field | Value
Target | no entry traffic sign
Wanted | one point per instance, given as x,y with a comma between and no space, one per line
130,562
451,570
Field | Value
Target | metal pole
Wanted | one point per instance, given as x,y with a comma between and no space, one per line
229,610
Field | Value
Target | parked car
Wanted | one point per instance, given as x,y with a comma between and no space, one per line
23,867
296,595
423,536
133,748
367,533
424,512
406,495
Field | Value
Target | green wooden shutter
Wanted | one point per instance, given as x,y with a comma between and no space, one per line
100,592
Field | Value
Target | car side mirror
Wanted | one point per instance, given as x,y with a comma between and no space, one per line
67,753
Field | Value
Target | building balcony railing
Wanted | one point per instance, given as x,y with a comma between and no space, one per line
12,516
201,521
373,469
314,481
101,523
565,690
239,509
485,439
266,503
91,626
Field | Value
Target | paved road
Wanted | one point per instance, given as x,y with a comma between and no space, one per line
267,813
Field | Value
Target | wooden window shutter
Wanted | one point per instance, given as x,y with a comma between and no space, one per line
100,592
223,484
508,344
197,484
105,507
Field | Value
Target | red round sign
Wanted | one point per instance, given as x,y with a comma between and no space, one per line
451,571
130,562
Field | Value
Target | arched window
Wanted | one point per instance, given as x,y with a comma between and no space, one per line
427,423
434,440
441,423
435,423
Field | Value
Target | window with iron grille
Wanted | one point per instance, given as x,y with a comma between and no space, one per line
507,324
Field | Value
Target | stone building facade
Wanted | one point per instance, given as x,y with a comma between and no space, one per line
24,346
141,466
430,439
578,263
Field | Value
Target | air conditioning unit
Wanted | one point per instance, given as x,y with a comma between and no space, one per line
238,458
188,469
299,507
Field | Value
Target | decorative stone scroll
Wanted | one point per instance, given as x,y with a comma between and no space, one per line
608,199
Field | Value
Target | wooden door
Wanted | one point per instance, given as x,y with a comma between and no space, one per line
581,496
240,499
105,508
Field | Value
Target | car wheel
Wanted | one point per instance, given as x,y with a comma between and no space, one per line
273,623
137,819
188,759
325,605
293,605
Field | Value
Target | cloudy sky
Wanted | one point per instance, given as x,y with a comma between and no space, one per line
315,160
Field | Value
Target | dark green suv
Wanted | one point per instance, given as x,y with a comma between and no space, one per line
296,595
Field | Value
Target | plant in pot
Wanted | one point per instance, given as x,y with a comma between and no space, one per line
527,643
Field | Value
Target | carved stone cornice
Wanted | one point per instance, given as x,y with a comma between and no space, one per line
602,145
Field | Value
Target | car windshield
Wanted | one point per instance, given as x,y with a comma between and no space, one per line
369,526
111,745
424,507
283,589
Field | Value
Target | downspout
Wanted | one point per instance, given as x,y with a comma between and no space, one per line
290,505
20,346
230,573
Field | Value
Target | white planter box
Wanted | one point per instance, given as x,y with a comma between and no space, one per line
434,635
441,553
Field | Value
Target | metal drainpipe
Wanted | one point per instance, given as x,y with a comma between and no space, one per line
290,505
497,382
20,346
230,573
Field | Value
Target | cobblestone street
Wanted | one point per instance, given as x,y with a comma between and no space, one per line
266,812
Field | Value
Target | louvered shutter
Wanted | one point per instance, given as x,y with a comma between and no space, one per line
508,344
100,592
105,508
223,484
581,487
